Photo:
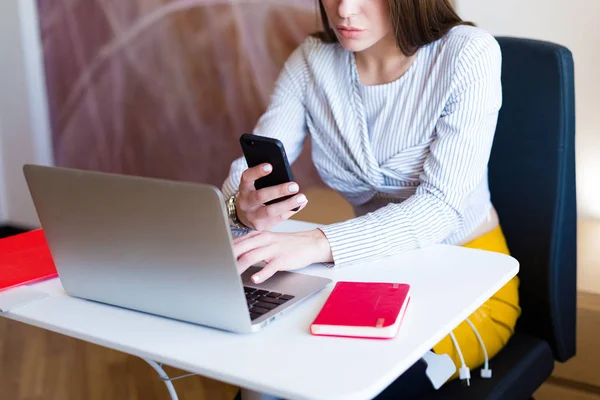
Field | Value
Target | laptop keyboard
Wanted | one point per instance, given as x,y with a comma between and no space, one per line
262,301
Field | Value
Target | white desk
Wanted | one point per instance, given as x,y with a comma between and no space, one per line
448,283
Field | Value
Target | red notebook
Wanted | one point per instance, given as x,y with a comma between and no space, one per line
363,310
25,258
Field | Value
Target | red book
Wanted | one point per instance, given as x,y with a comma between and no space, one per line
25,258
363,310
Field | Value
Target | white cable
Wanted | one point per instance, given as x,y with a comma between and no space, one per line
486,372
464,372
164,377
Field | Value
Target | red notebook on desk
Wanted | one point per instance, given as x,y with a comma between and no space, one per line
25,258
363,310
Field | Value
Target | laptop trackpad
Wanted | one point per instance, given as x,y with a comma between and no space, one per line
286,282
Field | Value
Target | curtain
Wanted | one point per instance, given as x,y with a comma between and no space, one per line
165,88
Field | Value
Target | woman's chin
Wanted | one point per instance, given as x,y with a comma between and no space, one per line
353,45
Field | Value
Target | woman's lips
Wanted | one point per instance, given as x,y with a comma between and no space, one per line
350,32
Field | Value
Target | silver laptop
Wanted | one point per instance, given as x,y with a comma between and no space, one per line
157,246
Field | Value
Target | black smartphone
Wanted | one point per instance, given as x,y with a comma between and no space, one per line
258,150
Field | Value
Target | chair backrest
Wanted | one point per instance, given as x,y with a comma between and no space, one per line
532,180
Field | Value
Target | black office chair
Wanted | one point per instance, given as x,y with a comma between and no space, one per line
532,180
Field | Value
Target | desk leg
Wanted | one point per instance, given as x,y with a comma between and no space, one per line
250,395
164,377
245,394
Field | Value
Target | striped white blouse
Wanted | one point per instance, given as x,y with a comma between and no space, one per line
411,155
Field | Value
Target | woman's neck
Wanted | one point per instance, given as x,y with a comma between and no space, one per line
382,63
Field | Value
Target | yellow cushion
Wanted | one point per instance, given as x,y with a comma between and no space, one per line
495,320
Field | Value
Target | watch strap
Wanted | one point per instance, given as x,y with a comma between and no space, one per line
237,225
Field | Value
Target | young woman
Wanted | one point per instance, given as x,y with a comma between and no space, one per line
401,100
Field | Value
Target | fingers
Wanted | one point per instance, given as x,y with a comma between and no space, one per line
250,243
294,202
268,271
264,218
246,236
288,214
283,207
251,210
252,174
267,194
252,257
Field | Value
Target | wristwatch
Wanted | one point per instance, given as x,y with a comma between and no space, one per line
232,214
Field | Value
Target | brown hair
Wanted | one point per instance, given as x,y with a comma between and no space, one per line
416,23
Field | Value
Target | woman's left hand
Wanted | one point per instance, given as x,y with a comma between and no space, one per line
280,251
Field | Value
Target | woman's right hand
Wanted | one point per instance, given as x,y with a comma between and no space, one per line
250,203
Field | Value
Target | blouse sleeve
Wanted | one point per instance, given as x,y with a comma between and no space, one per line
284,119
455,166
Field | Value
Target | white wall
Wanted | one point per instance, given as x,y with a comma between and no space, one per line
572,23
3,198
24,125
